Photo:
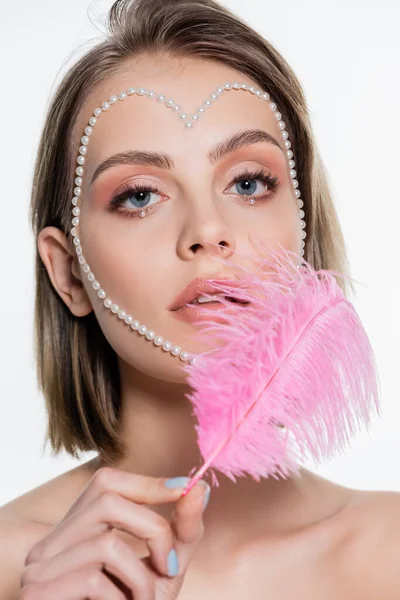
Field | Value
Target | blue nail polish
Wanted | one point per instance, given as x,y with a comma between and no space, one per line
173,565
206,498
177,482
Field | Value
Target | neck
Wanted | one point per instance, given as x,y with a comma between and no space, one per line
158,428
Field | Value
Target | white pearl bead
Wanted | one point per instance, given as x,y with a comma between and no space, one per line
121,314
114,308
112,99
214,96
92,121
141,91
75,200
201,109
76,211
227,86
131,91
150,335
75,221
122,96
166,346
292,173
169,102
160,98
158,340
86,268
175,350
81,259
285,135
150,95
142,329
73,231
184,356
105,106
101,294
77,241
177,107
135,325
220,90
297,193
108,303
287,144
78,250
302,224
281,124
78,181
97,112
96,285
195,117
91,276
188,124
291,164
207,103
80,160
265,96
77,191
128,319
192,361
301,213
295,183
82,150
79,170
88,130
300,203
303,235
85,140
183,116
272,106
289,154
235,85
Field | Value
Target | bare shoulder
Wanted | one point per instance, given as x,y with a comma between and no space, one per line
47,503
17,537
25,520
367,551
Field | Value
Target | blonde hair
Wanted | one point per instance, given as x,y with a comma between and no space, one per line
77,368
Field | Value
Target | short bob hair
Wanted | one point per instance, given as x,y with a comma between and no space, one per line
77,369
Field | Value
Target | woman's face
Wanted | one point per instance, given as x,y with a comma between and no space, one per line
144,263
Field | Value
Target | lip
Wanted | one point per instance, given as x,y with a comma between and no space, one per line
216,311
198,286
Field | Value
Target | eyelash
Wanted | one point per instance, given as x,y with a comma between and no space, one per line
248,174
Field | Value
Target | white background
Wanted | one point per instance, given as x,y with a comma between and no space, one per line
347,55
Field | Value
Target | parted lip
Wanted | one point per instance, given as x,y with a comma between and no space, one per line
201,285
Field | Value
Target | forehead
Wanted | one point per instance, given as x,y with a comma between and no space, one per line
140,123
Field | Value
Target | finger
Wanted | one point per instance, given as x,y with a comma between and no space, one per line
139,488
110,510
186,521
83,583
103,552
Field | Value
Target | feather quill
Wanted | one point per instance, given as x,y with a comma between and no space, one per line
294,378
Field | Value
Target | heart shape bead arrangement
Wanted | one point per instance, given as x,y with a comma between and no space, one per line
189,122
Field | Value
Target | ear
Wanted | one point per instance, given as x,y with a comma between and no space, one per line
62,265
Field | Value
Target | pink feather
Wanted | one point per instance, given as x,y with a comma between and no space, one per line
297,356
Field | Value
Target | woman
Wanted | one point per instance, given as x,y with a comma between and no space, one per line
117,526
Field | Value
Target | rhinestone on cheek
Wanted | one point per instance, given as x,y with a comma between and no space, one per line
135,325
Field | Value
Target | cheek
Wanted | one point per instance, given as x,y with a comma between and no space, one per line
280,222
122,261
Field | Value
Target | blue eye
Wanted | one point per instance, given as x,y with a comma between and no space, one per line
139,194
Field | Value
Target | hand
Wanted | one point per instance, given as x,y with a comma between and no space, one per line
82,558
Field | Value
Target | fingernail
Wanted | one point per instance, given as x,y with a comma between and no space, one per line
207,496
177,482
173,564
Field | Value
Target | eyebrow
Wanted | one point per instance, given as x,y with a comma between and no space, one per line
165,161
